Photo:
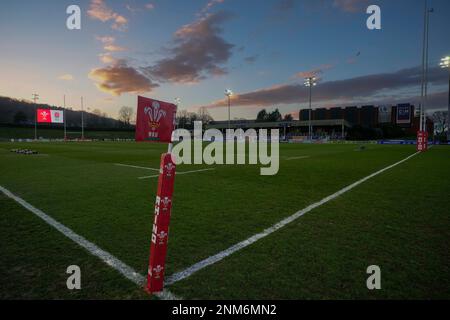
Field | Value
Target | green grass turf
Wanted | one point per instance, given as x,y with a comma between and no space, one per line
35,258
78,185
399,221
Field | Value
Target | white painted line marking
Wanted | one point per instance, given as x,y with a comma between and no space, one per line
241,245
92,248
179,173
148,177
136,167
167,295
297,158
195,171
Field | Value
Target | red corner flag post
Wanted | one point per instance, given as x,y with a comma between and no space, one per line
155,123
163,208
422,141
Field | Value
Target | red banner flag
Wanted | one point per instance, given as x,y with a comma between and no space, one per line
160,233
155,120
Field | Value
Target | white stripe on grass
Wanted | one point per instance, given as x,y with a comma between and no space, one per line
297,158
92,248
179,173
136,167
241,245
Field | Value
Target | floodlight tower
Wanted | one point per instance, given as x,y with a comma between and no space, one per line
310,82
229,93
35,98
177,103
424,95
445,64
65,115
82,119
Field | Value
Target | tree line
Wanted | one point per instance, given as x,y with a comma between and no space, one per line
22,113
274,116
185,119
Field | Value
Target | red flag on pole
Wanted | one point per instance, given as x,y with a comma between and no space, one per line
155,120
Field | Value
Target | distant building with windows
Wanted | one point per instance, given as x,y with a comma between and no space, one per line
335,122
403,115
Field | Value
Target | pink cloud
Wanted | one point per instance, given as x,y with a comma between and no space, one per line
314,72
120,78
209,5
107,58
100,11
149,6
198,51
350,5
114,48
368,88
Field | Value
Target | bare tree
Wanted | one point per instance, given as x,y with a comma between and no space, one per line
125,114
185,119
440,120
182,118
204,116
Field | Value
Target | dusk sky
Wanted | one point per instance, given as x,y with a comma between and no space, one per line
195,49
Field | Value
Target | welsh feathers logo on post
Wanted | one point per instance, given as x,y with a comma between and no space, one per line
155,120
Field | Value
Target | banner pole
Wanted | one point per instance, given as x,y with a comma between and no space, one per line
65,132
82,120
170,146
35,97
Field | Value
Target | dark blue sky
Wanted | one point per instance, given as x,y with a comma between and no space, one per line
196,49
